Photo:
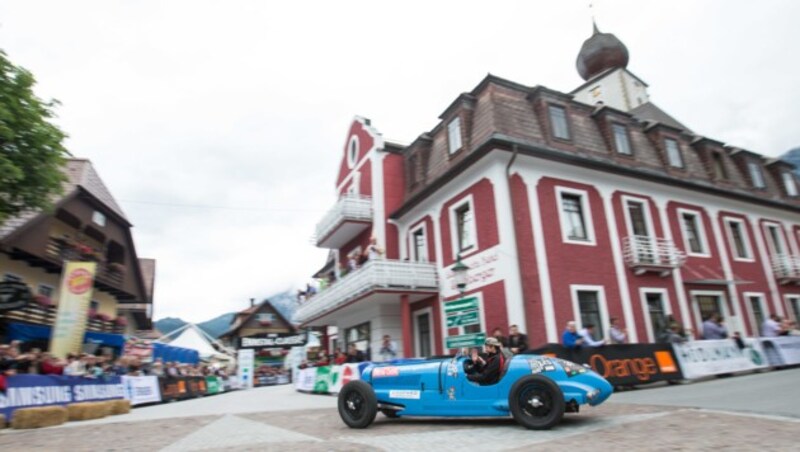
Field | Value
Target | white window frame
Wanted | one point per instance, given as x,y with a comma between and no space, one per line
454,135
352,157
745,239
626,200
756,175
48,286
679,155
551,119
601,300
789,183
793,302
665,304
98,218
587,216
762,301
726,316
701,232
768,238
473,233
417,342
614,126
413,245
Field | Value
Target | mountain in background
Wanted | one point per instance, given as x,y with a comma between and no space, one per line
793,157
284,302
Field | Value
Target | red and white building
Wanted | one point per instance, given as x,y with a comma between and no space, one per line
566,206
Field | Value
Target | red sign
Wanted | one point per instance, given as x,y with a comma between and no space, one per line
79,281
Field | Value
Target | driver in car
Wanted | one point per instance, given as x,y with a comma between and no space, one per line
487,365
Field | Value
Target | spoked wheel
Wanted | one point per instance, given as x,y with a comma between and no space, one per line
357,404
391,414
536,402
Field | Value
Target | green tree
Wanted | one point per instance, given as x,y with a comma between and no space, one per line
31,149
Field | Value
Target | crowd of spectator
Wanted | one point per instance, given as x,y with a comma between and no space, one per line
35,361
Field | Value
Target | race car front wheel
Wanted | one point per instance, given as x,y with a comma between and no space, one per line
536,402
357,404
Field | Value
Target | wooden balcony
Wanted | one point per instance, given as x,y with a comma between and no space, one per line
37,314
60,250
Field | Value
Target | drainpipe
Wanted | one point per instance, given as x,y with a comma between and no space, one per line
515,151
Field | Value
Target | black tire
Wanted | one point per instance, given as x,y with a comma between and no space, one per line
536,402
357,404
391,414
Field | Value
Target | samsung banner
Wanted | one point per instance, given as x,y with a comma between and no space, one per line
140,390
713,357
27,391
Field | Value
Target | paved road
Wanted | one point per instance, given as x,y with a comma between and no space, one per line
685,417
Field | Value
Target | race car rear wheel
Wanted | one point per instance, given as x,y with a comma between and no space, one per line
357,404
536,402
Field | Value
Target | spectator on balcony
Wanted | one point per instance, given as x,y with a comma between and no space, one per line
617,333
373,251
713,328
587,333
772,326
352,262
388,349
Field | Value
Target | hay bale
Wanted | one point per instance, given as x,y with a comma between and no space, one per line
120,406
85,411
45,416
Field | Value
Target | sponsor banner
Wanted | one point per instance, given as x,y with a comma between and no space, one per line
624,364
77,282
214,385
274,340
782,350
327,379
178,388
27,391
713,357
141,390
246,361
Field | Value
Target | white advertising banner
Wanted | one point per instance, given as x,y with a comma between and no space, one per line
326,379
699,359
344,374
246,360
141,390
782,350
305,379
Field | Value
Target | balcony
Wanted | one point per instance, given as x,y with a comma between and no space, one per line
108,273
650,254
378,276
38,314
786,268
350,216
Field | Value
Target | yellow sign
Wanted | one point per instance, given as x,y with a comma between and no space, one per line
77,281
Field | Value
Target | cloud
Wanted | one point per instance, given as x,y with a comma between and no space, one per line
219,125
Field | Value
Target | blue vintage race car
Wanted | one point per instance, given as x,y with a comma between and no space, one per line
536,390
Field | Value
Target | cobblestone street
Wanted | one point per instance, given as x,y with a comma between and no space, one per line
278,418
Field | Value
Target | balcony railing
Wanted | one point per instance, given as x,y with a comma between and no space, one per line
643,253
349,208
786,267
46,315
61,250
374,275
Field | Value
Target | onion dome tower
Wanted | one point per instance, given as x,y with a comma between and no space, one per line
602,51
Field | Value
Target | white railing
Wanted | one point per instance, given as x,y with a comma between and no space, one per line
643,251
375,274
349,207
786,266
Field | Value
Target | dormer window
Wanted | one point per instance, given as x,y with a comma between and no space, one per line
558,121
789,183
98,218
454,135
673,153
719,166
756,176
621,141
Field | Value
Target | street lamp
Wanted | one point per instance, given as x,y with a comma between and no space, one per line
460,274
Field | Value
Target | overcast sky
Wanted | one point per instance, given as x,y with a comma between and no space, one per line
218,126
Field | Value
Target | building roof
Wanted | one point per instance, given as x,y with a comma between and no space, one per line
242,317
599,53
80,175
649,111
